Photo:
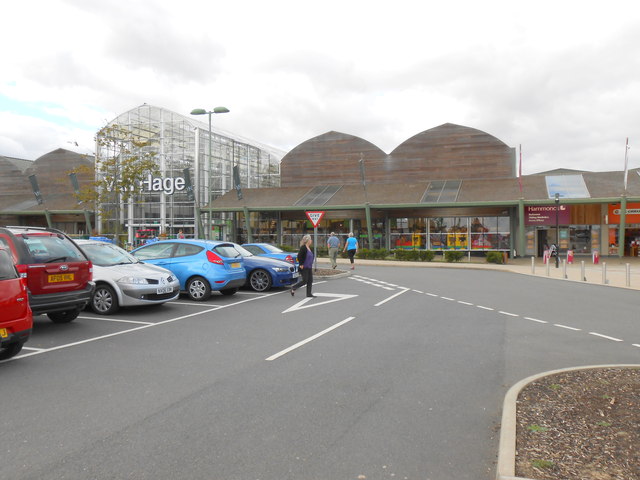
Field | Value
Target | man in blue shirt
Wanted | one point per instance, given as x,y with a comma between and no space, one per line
333,243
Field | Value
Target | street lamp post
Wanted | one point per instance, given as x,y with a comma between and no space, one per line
557,231
202,111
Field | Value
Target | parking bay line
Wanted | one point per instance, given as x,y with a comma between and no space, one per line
307,340
106,319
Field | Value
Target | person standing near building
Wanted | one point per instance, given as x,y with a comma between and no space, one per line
351,247
180,234
305,265
333,244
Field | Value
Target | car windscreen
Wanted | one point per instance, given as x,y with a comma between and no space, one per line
105,254
52,249
242,251
154,251
227,251
272,249
7,270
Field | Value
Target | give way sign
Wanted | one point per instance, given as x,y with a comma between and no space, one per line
314,217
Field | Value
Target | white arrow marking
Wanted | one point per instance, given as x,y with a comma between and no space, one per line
335,297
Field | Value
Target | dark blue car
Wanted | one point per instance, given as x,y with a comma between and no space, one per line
268,250
264,273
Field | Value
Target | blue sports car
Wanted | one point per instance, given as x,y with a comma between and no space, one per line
268,250
200,265
264,272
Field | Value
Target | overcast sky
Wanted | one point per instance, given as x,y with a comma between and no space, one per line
560,78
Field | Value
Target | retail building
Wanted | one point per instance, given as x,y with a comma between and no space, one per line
448,188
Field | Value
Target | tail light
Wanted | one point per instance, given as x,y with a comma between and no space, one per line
289,259
22,270
213,258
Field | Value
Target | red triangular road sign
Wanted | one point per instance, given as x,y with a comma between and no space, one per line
314,217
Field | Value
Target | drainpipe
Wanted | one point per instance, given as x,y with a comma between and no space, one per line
623,224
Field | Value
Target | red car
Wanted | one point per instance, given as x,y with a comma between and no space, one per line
59,276
16,319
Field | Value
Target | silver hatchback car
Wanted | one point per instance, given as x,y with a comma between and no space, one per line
124,281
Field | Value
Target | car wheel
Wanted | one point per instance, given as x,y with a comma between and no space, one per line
229,291
64,317
198,289
105,300
260,280
10,351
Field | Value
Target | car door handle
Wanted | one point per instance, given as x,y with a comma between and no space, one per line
20,299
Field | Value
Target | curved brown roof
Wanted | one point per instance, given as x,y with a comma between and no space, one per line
446,152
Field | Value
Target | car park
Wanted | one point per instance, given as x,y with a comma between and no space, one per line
124,281
57,272
16,319
263,272
202,266
271,251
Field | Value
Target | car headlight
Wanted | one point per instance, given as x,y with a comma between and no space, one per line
280,269
133,280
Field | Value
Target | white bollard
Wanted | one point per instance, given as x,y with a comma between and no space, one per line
533,266
628,268
604,273
582,275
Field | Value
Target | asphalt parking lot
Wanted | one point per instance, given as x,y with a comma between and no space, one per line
90,327
391,372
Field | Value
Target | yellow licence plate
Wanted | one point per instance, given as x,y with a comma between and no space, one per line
4,333
235,265
62,277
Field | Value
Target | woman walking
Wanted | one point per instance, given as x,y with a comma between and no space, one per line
351,247
305,262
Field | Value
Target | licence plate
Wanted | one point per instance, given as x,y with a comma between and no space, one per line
62,277
235,265
162,290
295,275
4,333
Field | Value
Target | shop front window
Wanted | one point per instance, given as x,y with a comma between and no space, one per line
406,233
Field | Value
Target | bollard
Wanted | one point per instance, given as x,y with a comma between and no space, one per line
604,273
628,268
564,268
548,266
582,275
533,266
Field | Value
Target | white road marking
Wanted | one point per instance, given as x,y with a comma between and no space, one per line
535,320
635,345
417,291
432,294
485,308
310,339
335,297
197,304
568,328
448,298
509,314
605,336
107,319
391,297
464,303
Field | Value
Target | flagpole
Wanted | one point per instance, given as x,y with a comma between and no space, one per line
626,163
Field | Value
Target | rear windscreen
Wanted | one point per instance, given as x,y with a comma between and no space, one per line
52,249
